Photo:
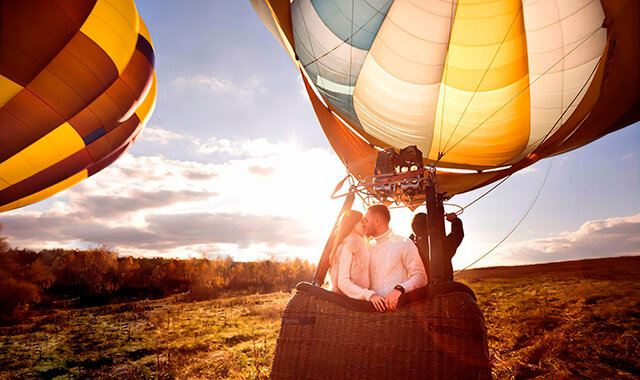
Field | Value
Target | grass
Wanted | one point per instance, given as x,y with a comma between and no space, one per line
574,328
224,338
542,324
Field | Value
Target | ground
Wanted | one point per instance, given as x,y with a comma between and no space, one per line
567,320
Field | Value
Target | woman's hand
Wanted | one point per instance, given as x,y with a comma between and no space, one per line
378,302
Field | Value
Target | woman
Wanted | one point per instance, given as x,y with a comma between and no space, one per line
349,271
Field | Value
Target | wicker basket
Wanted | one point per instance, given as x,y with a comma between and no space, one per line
435,337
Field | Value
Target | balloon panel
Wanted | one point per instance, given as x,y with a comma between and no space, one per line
320,27
78,85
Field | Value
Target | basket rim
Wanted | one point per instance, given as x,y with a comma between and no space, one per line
425,292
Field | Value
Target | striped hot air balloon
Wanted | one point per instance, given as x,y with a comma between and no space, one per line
77,85
486,87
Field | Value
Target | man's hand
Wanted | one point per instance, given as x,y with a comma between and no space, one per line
392,299
451,216
378,302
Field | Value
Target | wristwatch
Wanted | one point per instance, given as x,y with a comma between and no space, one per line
400,288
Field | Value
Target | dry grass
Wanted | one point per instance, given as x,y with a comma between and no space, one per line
574,328
226,338
566,320
543,323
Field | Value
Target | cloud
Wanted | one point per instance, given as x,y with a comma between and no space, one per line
236,228
597,238
115,205
163,231
628,156
161,136
198,175
150,172
259,170
260,147
528,169
250,85
264,200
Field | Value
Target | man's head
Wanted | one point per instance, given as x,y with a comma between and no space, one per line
419,224
376,220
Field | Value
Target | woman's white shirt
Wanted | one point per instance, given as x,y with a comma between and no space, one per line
350,269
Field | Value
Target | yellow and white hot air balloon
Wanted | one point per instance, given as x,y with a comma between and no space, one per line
477,85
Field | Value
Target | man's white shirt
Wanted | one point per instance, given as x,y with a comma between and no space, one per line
394,260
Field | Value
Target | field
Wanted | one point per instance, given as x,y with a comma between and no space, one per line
567,320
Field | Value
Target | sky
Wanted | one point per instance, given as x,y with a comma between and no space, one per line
234,163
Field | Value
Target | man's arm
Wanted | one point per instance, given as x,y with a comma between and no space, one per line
454,239
415,269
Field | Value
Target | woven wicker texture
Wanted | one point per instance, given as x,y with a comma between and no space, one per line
438,338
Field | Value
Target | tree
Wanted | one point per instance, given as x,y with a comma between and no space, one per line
4,244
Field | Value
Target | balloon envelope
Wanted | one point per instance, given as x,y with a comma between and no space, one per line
77,85
485,87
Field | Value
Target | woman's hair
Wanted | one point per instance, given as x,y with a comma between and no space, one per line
348,220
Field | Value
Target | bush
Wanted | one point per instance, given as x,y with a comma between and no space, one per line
98,276
203,293
16,296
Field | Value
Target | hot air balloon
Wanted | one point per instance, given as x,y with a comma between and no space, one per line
77,85
481,89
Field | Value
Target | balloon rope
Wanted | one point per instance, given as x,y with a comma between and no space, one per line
353,2
348,38
516,226
313,53
569,106
164,127
520,93
446,76
487,192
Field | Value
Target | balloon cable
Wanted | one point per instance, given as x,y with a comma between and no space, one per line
568,107
446,76
162,125
516,226
487,192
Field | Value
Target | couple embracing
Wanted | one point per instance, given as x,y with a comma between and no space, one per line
369,262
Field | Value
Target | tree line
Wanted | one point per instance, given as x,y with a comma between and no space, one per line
39,279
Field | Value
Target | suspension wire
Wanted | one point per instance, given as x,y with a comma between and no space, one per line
348,38
446,75
569,106
306,29
516,226
482,79
487,192
162,125
541,141
353,2
520,93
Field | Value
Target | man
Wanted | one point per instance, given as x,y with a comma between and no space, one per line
420,238
450,244
395,266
